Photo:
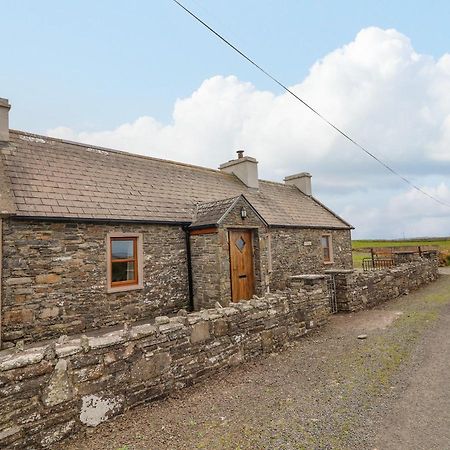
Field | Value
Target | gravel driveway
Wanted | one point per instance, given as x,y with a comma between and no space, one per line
330,390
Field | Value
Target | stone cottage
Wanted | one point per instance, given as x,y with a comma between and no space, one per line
92,237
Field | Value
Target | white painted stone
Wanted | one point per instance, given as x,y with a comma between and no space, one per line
96,409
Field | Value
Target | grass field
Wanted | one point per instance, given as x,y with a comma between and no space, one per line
358,255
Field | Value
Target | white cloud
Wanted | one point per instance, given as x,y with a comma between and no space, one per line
377,88
402,214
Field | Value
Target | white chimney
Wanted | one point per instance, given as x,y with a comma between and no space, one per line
301,180
244,167
4,119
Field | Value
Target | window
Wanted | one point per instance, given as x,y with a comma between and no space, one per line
124,259
326,248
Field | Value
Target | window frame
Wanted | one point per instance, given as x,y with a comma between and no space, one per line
127,285
329,239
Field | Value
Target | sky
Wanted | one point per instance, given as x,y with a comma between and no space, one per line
143,76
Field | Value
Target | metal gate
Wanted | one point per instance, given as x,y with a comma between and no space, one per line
332,294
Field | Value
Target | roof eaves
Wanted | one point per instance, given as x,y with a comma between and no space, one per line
310,227
102,220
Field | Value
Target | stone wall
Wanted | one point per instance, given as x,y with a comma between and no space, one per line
291,254
54,278
49,391
205,257
361,290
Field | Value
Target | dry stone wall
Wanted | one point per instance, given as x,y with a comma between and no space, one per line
361,290
51,390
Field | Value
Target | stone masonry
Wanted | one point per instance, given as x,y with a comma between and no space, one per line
51,390
362,290
278,254
297,251
54,278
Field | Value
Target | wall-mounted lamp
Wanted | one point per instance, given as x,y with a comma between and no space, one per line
243,213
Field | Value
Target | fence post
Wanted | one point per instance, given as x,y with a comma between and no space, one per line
420,251
373,258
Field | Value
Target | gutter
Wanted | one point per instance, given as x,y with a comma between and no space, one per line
312,227
187,237
102,220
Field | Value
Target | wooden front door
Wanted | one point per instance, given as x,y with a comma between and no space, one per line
241,265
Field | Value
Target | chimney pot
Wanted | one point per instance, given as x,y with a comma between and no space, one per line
4,119
240,153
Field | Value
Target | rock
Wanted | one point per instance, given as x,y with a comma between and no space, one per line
200,332
48,313
22,359
49,278
160,320
20,346
59,388
362,336
106,340
18,316
63,338
17,281
151,367
140,331
84,343
50,352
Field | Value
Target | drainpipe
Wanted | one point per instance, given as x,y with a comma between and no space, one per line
187,237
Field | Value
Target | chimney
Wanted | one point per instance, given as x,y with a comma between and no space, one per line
4,119
244,167
301,180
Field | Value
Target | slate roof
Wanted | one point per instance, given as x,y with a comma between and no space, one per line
52,178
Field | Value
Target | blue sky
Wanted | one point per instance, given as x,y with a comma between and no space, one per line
95,64
88,70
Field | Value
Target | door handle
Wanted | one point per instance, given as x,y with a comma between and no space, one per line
242,276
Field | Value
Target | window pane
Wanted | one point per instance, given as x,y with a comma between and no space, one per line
325,242
122,271
326,254
122,248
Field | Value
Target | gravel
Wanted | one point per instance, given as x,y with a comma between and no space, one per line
330,390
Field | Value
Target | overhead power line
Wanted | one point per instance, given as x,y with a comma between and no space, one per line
317,113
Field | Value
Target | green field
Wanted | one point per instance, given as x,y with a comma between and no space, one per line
358,255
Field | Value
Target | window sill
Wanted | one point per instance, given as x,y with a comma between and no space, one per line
327,263
132,287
